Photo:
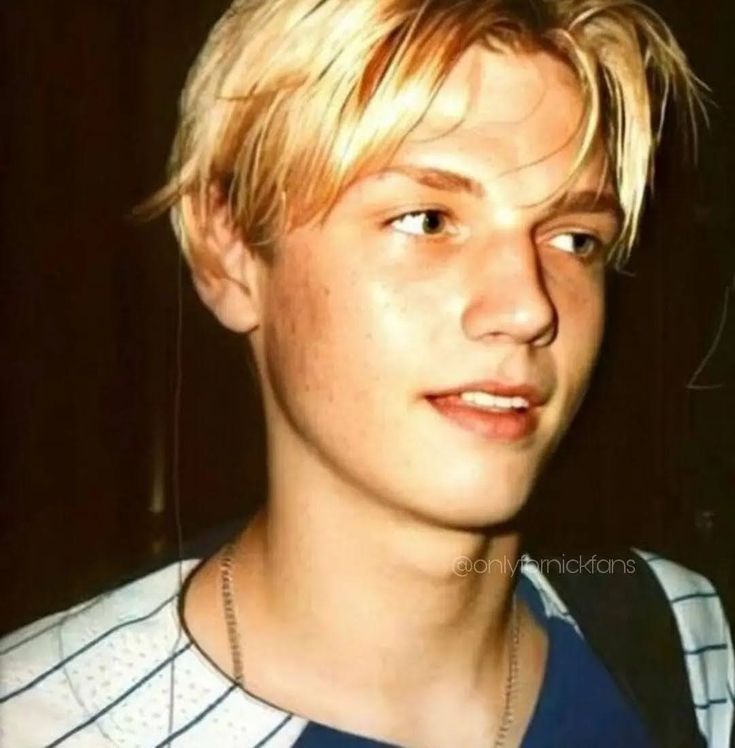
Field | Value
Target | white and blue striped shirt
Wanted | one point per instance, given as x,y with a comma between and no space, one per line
101,674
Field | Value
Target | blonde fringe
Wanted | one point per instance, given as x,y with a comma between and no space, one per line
289,100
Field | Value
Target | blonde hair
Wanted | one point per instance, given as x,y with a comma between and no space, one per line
290,100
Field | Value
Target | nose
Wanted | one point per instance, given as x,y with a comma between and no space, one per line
507,297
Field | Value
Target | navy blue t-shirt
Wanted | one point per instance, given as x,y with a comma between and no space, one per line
579,705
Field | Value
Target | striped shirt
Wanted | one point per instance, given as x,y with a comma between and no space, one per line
119,670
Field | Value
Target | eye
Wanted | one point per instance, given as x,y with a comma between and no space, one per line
577,243
421,223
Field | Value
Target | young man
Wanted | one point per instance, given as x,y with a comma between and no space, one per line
408,208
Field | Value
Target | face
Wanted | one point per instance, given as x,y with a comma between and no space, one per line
430,341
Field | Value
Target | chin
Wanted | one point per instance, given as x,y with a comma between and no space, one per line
492,514
474,510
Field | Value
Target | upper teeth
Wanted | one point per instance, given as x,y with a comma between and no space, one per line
486,400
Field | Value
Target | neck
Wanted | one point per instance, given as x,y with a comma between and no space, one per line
348,573
353,611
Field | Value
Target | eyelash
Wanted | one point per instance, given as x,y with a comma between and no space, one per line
425,212
597,243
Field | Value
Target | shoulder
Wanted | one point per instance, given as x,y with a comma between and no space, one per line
706,642
694,601
121,670
58,673
702,625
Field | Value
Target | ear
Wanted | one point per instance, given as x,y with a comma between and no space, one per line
227,274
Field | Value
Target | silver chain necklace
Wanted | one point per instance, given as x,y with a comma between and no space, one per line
233,636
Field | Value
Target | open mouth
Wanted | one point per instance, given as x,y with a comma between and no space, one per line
490,402
493,416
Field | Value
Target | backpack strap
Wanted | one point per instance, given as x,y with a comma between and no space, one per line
627,620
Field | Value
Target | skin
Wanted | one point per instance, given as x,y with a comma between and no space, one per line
350,610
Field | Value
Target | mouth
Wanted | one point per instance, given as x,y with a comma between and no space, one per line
491,410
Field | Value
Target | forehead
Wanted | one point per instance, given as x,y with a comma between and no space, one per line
501,88
513,121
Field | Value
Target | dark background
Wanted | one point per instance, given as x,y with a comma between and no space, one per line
88,92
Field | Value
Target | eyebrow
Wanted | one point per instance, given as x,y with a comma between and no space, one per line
438,179
580,201
588,201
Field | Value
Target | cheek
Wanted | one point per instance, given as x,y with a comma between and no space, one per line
585,319
589,327
323,333
342,327
297,327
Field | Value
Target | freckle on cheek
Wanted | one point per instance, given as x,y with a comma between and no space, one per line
299,328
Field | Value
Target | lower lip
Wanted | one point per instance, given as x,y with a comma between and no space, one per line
511,425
